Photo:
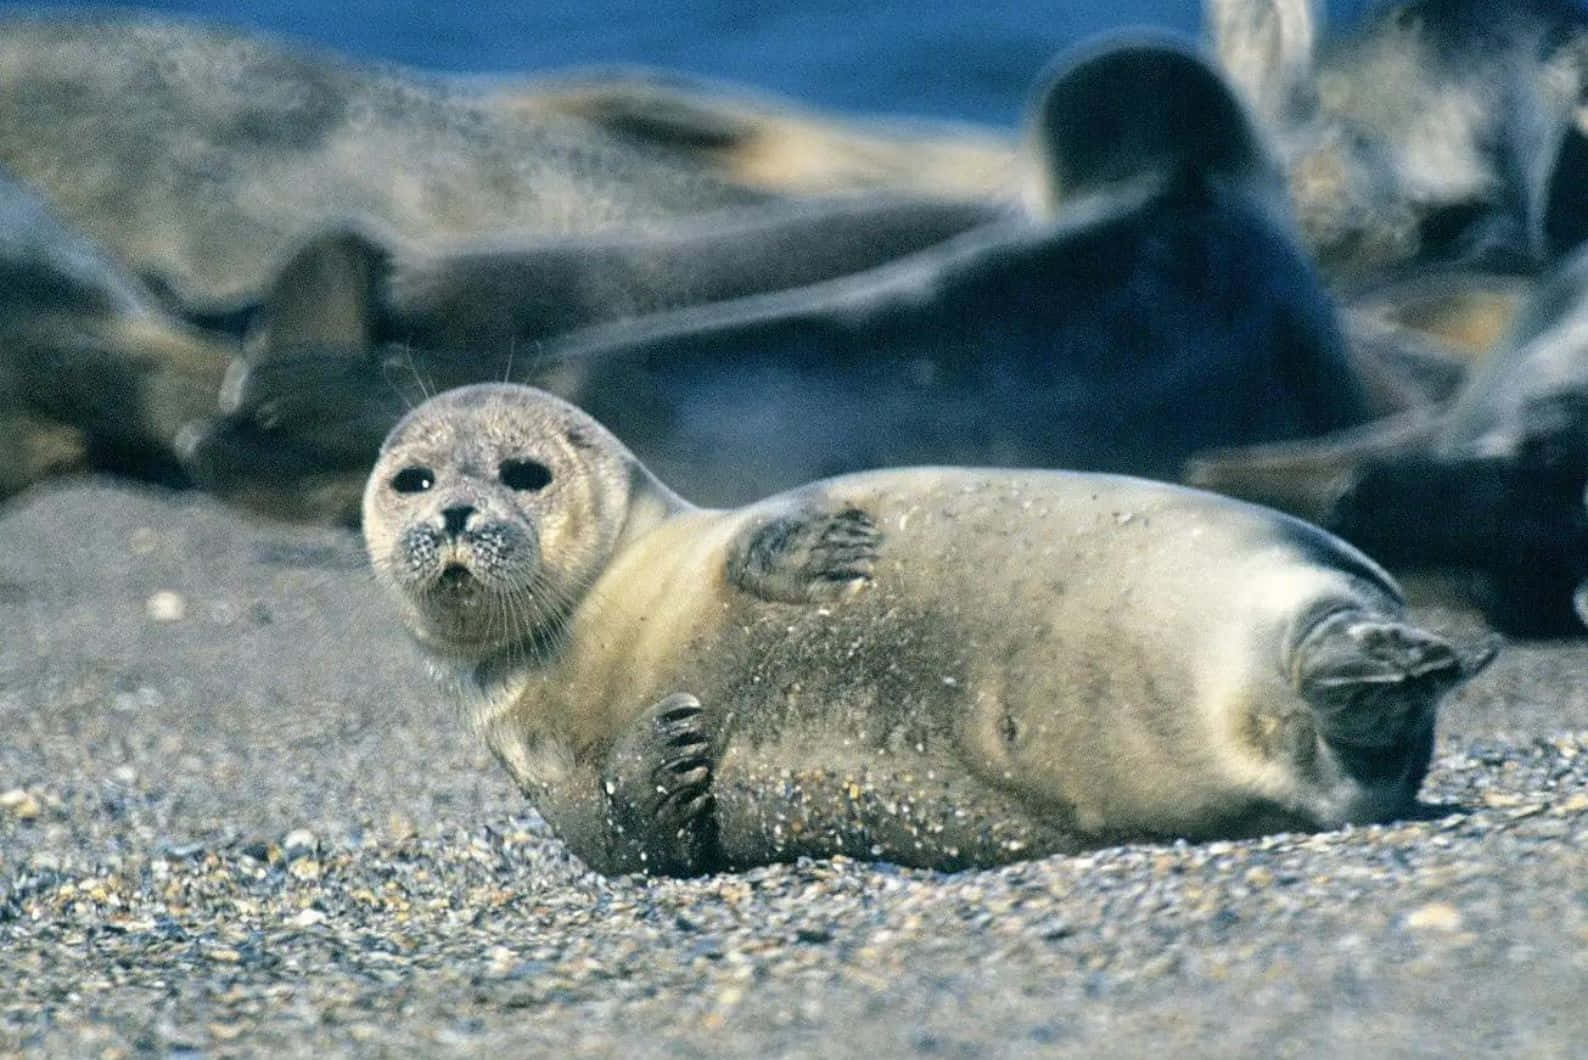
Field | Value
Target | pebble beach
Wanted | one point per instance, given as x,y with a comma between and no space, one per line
235,819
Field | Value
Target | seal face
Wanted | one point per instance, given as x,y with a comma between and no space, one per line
490,522
936,666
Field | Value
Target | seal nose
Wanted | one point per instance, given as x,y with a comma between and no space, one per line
453,518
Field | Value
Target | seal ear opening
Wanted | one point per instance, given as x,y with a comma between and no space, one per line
1137,106
329,295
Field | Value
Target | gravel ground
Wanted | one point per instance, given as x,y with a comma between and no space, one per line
234,819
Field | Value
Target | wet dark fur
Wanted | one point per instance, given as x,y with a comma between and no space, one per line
1168,310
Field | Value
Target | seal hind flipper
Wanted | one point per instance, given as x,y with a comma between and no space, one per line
1373,683
806,556
328,295
1266,48
657,782
1142,105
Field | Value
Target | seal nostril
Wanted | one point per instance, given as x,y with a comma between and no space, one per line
455,518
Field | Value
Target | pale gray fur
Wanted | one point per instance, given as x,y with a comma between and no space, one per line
1430,130
200,154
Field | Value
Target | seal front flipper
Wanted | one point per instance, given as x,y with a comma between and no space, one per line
807,555
657,783
1373,683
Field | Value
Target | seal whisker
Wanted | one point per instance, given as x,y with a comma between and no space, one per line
413,368
385,374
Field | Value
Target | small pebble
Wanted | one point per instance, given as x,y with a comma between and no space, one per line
298,843
20,804
1435,916
166,606
307,918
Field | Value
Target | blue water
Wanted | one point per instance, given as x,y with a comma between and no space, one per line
968,59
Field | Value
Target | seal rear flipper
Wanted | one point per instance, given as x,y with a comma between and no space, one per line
1137,105
1266,48
809,555
1373,683
657,786
328,295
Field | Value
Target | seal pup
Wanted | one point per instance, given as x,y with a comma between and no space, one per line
939,667
1167,310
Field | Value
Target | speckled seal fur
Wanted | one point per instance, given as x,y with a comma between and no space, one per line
934,666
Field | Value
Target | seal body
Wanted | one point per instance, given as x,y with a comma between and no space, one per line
1059,636
935,666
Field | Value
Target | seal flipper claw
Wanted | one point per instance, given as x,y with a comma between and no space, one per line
658,787
807,556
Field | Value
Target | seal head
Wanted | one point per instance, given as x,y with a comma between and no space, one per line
489,517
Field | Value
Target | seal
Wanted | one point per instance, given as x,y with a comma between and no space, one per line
1166,310
350,289
171,142
476,309
1426,132
94,374
935,666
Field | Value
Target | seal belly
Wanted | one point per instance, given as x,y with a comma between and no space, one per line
1064,637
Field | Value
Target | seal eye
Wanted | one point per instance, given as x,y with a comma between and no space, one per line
413,480
524,474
